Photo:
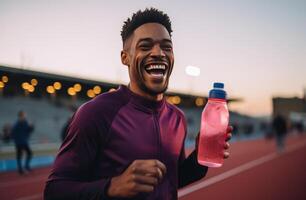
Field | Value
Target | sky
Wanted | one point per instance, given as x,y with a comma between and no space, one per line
257,48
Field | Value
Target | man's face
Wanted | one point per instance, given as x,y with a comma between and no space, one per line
22,116
150,58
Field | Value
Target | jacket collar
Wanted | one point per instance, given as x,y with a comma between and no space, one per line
141,101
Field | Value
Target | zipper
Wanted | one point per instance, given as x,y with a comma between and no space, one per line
159,153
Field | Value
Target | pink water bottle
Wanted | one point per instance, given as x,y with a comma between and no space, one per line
214,122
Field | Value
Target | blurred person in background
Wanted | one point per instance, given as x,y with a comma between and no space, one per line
299,127
6,133
130,143
65,127
279,125
21,134
64,130
235,131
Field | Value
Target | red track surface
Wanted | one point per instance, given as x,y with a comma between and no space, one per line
245,175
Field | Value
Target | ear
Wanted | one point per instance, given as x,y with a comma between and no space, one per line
125,58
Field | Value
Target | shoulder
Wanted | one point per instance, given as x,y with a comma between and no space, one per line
93,118
177,111
16,124
103,106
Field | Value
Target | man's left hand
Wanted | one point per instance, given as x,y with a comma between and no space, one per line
227,138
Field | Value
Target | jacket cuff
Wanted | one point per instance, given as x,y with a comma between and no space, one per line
97,189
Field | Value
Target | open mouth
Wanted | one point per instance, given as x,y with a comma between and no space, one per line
156,70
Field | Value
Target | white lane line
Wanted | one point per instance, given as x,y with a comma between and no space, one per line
32,197
235,171
25,181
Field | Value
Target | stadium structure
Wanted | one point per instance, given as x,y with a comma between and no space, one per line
50,100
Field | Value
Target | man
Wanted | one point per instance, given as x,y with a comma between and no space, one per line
6,133
129,143
21,134
280,129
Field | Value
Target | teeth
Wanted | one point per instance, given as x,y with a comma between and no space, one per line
156,67
157,75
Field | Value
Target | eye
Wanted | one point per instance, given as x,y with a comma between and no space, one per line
145,46
166,47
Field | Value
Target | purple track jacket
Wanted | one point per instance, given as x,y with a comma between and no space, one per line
108,133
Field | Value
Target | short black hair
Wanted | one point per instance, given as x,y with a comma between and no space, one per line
149,15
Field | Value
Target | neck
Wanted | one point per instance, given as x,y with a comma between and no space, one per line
138,91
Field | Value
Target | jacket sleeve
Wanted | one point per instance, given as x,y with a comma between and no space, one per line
189,169
71,176
30,128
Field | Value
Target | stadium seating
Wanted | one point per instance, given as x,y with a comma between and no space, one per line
47,118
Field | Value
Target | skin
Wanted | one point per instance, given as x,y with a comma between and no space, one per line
21,116
149,44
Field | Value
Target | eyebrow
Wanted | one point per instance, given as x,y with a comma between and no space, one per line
150,40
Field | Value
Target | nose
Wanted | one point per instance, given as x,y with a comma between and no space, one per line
157,52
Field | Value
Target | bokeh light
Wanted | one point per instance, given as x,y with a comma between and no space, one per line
97,89
50,89
25,85
34,82
77,87
31,88
199,101
4,79
71,91
57,85
90,93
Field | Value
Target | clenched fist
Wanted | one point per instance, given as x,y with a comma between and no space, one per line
140,177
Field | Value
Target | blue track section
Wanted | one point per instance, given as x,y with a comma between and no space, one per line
38,161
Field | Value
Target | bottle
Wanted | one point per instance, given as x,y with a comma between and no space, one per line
214,122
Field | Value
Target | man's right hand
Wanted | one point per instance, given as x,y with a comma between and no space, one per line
140,177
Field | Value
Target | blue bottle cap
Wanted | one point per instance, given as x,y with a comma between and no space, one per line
218,91
218,85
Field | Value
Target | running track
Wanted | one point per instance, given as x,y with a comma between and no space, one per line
254,171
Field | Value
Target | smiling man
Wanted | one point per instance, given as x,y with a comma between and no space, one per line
148,53
129,143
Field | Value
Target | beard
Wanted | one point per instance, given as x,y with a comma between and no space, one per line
150,91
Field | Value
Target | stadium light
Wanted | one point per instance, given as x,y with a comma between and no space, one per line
57,85
90,93
71,91
199,101
34,82
31,88
25,85
97,89
176,100
192,71
50,89
77,87
4,79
